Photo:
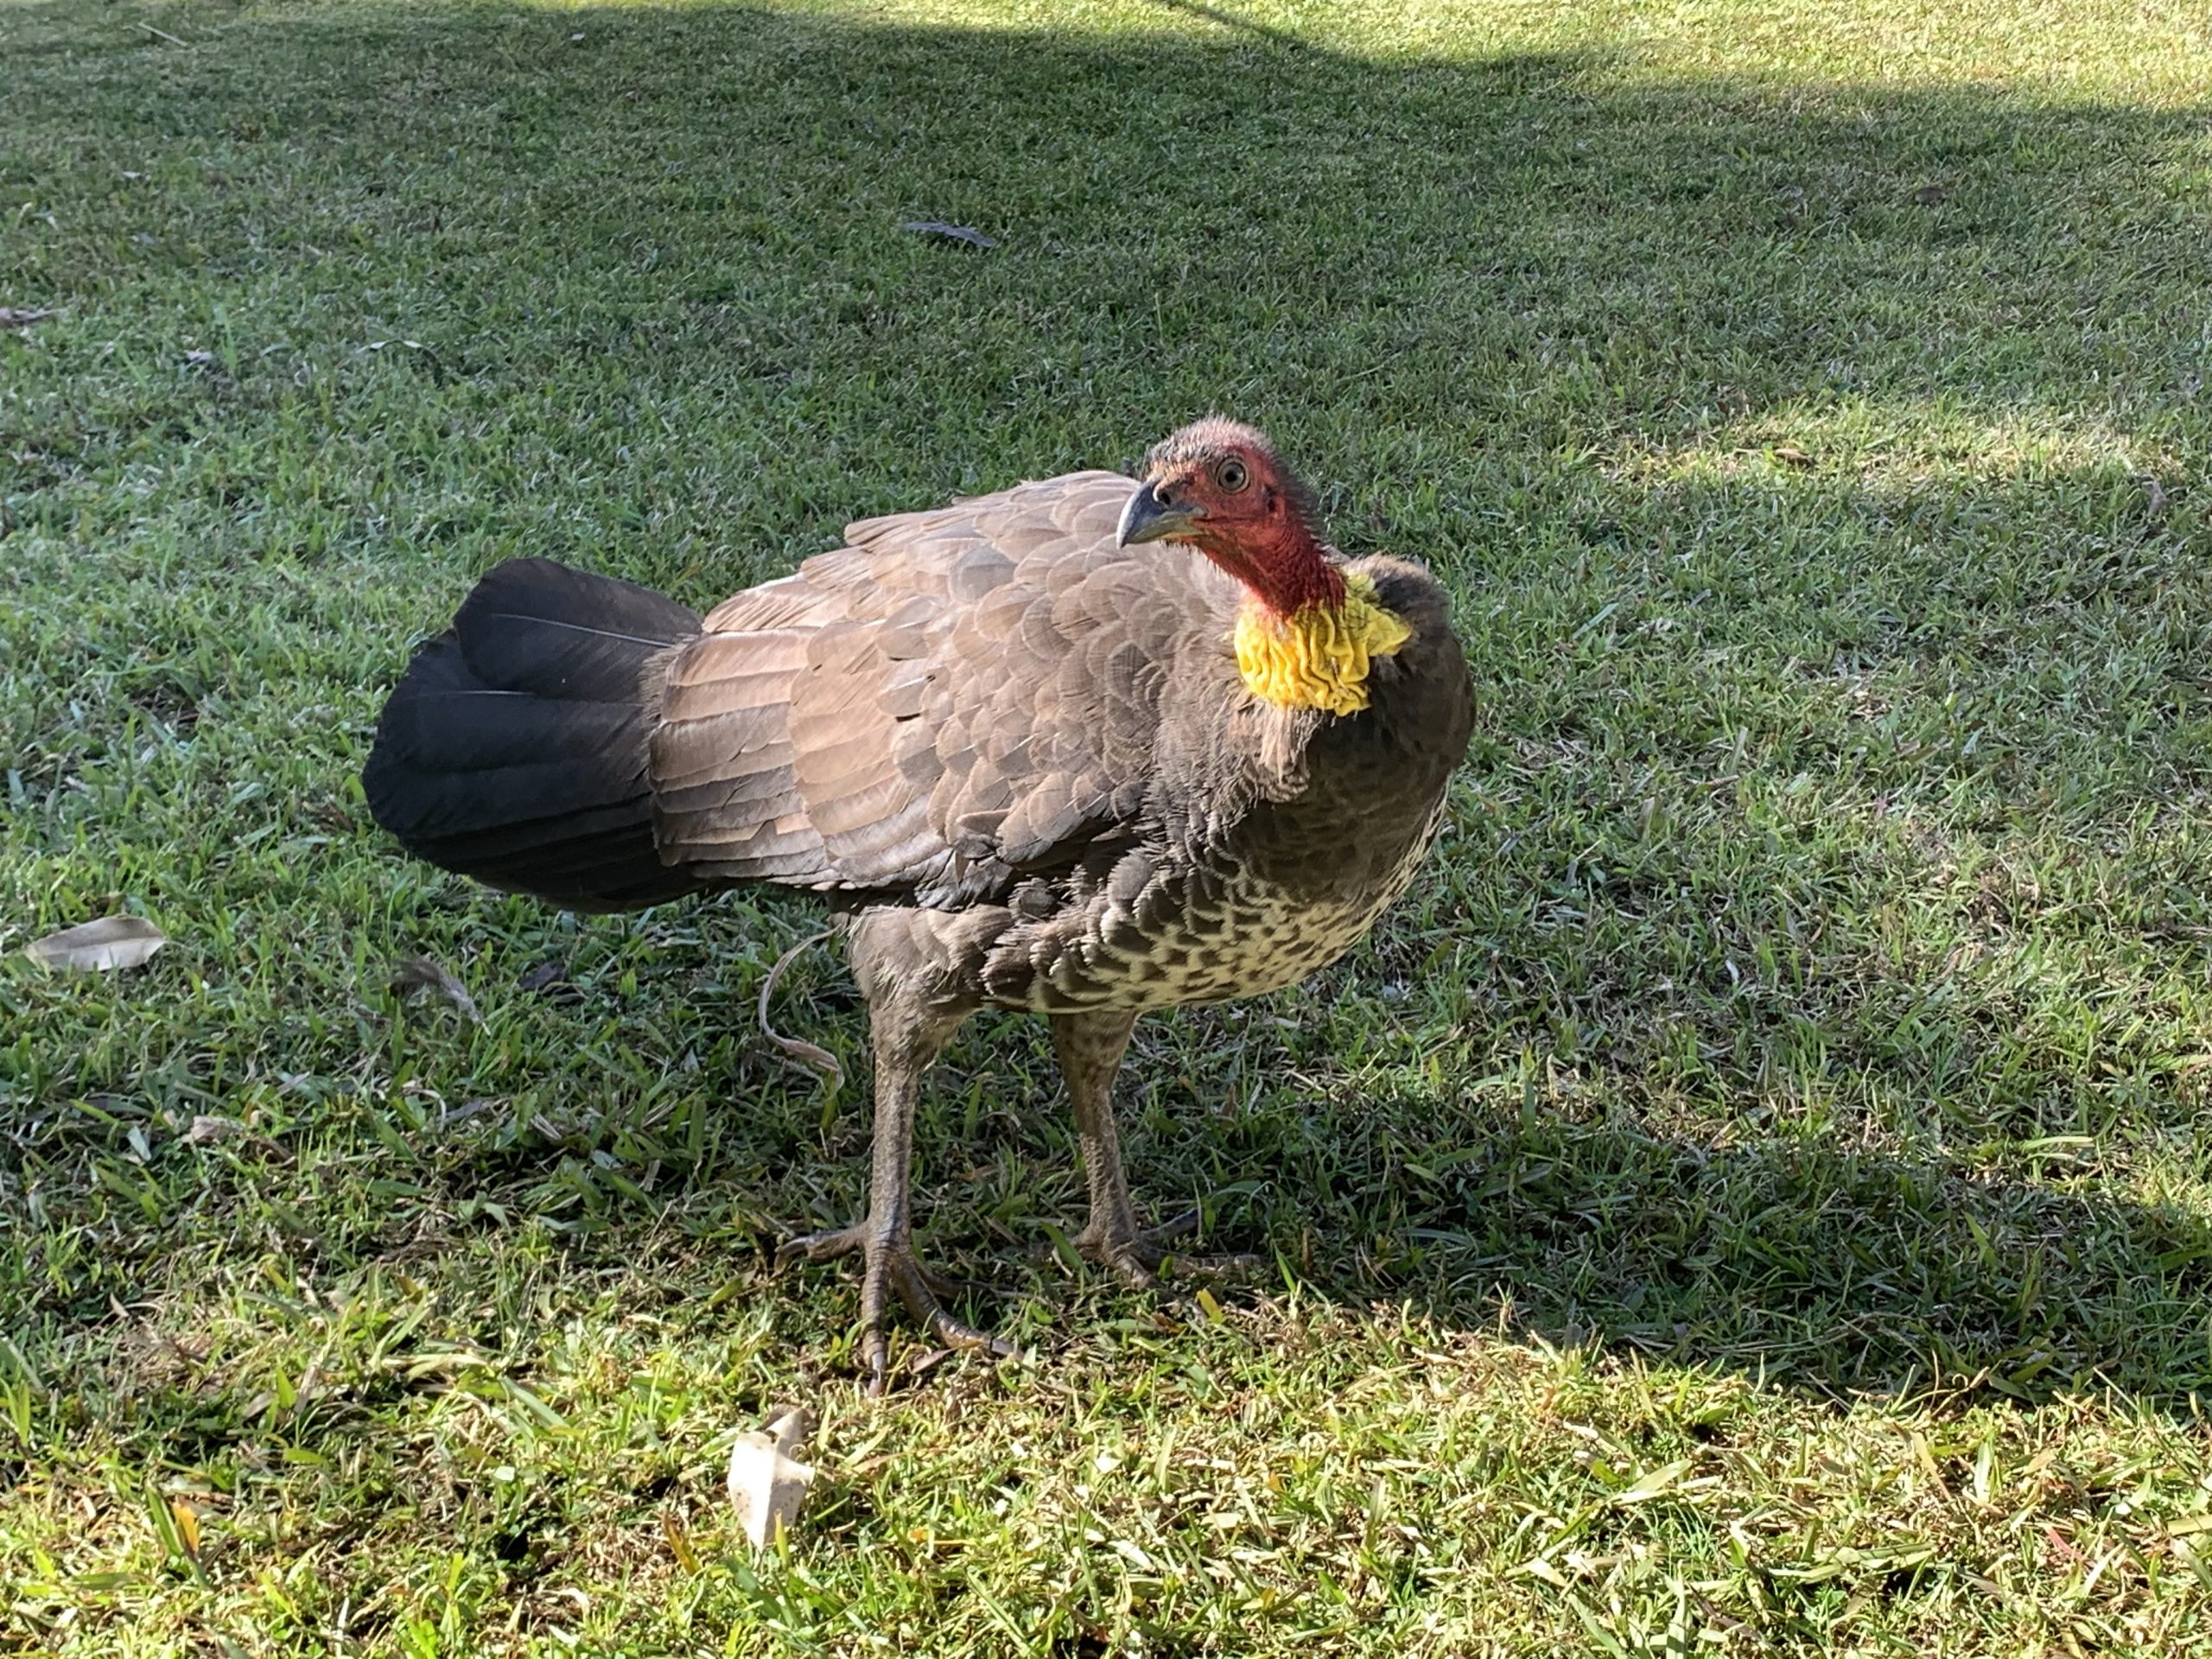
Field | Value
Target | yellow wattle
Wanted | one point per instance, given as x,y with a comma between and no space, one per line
1319,657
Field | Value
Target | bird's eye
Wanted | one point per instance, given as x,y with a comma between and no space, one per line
1231,476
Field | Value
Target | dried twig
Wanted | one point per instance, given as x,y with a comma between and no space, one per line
820,1060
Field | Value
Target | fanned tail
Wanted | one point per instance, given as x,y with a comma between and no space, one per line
514,749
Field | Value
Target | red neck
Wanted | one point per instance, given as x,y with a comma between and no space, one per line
1284,569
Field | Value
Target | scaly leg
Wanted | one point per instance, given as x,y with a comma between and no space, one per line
1091,1046
906,1042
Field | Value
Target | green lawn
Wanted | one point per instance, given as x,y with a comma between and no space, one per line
1754,1199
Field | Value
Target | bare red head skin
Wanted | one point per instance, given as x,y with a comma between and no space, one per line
1219,487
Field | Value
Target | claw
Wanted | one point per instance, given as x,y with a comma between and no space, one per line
875,1359
893,1267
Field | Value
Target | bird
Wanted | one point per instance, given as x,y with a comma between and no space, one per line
1089,748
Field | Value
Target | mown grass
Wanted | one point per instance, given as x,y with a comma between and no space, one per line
1752,1199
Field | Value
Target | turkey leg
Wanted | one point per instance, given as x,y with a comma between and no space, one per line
905,1045
1091,1046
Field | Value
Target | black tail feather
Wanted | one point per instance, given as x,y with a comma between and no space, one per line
514,749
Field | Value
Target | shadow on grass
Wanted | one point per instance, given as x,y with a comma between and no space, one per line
1464,276
1807,1261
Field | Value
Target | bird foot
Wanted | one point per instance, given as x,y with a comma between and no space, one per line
893,1268
1137,1255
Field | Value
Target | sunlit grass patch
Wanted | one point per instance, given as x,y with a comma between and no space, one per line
1750,1198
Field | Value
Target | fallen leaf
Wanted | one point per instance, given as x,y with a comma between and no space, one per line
966,234
412,974
767,1483
16,317
107,945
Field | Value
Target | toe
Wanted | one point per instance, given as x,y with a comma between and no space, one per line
920,1288
1239,1265
1140,1259
893,1270
1181,1227
1129,1266
966,1338
1138,1256
825,1246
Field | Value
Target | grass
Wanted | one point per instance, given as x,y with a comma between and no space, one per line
1754,1199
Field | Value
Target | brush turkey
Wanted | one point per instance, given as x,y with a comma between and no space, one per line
1033,759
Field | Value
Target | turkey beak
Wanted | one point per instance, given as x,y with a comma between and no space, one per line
1148,518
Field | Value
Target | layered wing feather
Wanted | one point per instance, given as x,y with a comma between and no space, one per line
952,700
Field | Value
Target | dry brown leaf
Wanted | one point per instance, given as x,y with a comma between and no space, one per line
412,974
766,1482
108,945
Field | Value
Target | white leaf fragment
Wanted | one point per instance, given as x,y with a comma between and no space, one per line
766,1482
